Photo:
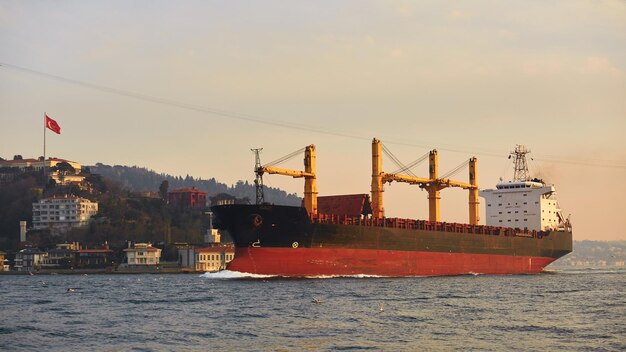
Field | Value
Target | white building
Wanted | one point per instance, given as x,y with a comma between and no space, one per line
38,164
522,204
63,212
143,254
59,177
213,259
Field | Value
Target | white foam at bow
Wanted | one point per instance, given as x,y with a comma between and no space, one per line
227,274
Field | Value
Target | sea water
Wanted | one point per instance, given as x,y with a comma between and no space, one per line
573,310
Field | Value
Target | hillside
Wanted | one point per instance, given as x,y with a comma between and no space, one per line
138,179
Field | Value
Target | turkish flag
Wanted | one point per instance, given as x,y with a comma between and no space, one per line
53,125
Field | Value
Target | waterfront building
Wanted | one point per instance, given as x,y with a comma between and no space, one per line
94,258
62,256
186,255
29,259
142,254
186,198
2,266
213,259
63,213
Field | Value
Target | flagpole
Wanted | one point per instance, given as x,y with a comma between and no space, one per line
44,150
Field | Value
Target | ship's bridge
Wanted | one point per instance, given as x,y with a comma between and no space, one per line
528,204
519,184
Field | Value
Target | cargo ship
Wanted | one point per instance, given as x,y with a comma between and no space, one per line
348,235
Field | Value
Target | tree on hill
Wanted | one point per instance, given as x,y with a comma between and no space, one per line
64,168
163,188
16,204
138,179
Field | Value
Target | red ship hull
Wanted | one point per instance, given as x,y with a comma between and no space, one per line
284,241
305,262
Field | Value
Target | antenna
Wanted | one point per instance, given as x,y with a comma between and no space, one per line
258,182
521,167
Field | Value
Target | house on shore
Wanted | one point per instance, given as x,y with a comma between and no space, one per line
29,259
142,254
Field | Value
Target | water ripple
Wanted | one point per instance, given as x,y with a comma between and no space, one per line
580,310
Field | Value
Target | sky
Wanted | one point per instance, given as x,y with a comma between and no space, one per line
189,87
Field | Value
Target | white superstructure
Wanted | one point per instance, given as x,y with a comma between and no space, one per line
523,203
527,205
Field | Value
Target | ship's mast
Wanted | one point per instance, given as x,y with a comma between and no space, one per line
258,182
521,167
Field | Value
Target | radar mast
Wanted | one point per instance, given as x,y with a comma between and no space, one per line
521,167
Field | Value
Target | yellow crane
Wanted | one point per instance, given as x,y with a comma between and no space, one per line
310,182
433,185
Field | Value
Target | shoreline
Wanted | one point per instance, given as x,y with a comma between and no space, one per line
102,271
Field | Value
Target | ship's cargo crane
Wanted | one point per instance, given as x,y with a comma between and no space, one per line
310,182
433,185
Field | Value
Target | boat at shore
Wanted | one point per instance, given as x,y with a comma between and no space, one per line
306,241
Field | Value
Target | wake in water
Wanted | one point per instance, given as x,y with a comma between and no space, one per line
227,274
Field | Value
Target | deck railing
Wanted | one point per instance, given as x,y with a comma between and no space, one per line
425,225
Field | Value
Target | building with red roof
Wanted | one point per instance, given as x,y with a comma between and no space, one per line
61,177
187,198
142,254
38,164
